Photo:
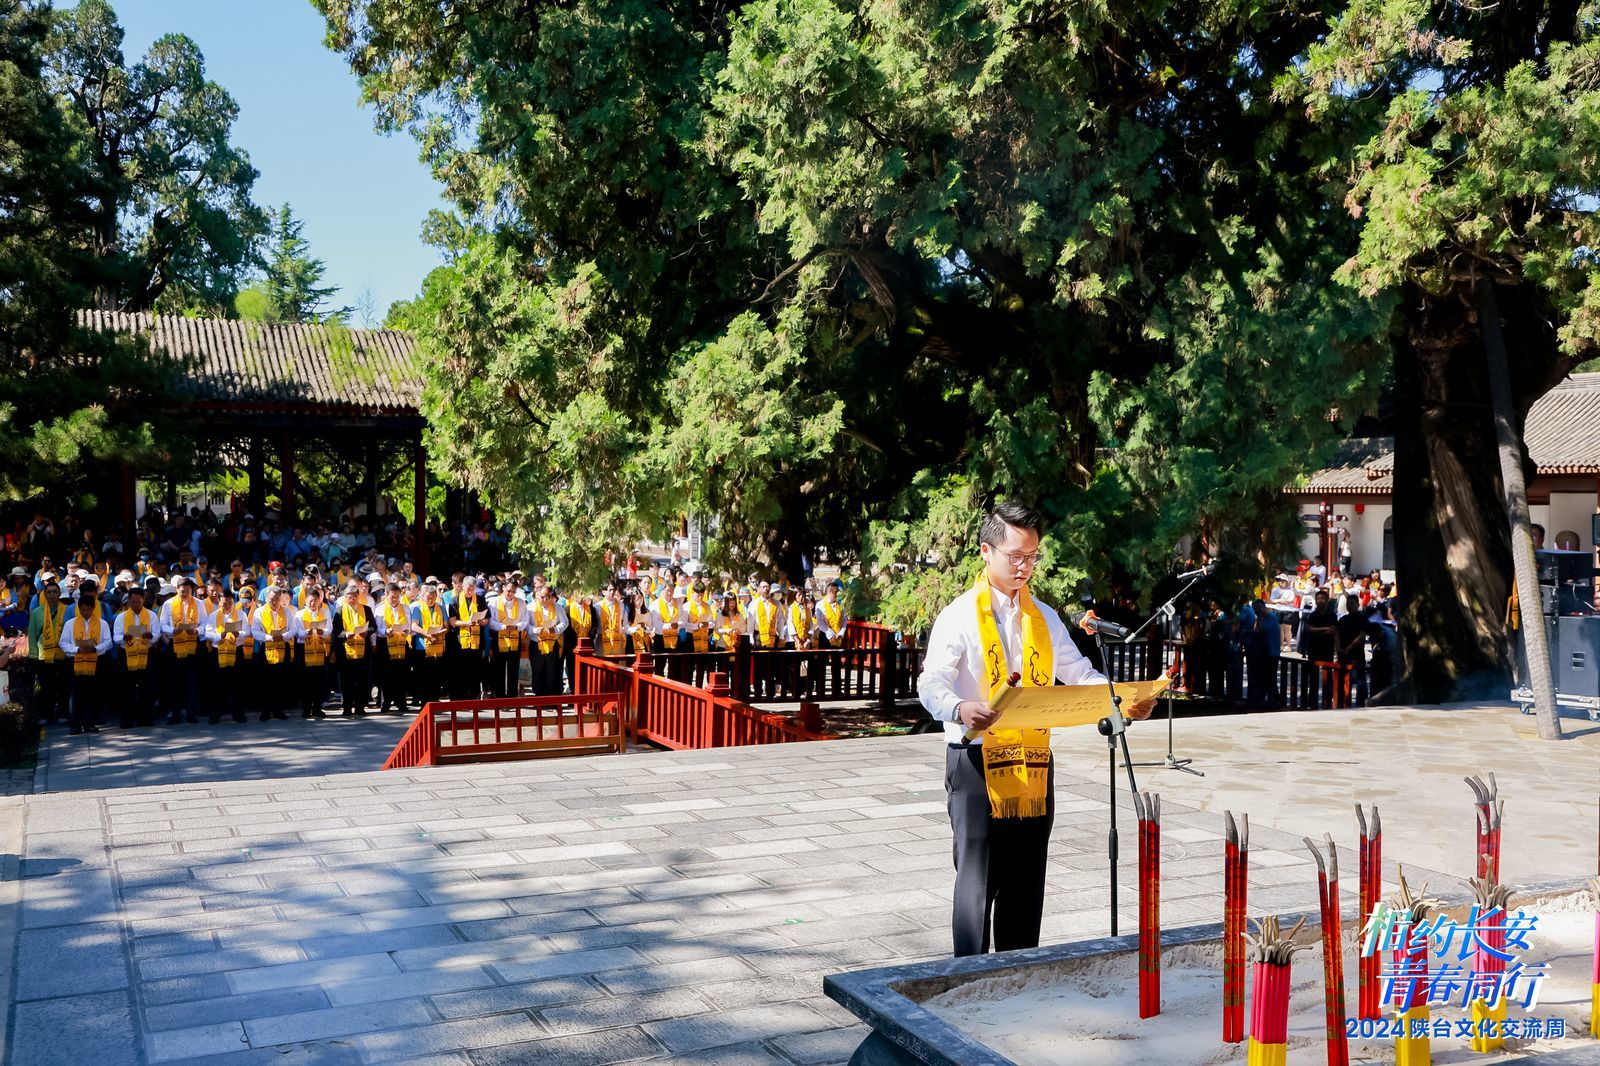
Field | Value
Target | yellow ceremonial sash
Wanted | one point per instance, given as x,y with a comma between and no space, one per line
83,663
1016,762
50,637
184,644
611,640
800,622
700,612
766,616
582,621
233,641
468,635
355,644
316,643
543,617
509,639
136,638
274,622
668,608
395,615
834,613
432,617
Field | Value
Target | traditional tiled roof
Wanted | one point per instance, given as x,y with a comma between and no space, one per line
1562,433
253,366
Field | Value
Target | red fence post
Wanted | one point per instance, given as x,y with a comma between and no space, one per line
643,667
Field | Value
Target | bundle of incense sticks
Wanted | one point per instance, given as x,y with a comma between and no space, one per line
1411,982
1332,952
1490,809
1594,976
1369,889
1235,890
1149,810
1272,952
1488,1004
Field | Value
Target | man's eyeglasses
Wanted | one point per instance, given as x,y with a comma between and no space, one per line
1021,560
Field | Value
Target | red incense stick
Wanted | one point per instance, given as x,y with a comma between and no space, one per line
1332,952
1235,887
1369,887
1148,808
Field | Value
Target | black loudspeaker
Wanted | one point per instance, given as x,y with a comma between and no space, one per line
1576,656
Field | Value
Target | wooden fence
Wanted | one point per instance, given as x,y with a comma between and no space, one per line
527,727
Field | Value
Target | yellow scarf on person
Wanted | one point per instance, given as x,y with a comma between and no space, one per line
545,617
235,637
316,649
578,614
700,612
432,618
1016,762
395,617
355,644
834,613
510,636
611,640
184,644
766,615
136,637
667,607
86,638
50,635
467,635
273,623
799,622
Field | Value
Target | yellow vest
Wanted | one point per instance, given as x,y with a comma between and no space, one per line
578,614
800,622
611,639
700,612
184,644
468,636
136,637
766,623
355,644
834,613
432,646
545,617
86,632
236,643
274,623
509,639
316,643
50,636
395,615
668,608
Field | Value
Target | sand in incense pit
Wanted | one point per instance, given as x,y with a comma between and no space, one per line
1056,1016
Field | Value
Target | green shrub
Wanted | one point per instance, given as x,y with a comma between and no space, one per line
17,733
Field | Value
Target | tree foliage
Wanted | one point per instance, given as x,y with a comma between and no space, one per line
289,289
72,401
171,216
836,272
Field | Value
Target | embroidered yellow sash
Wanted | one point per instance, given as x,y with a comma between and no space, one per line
545,617
86,634
1016,762
50,637
355,644
136,638
611,640
468,635
834,613
235,637
184,644
766,617
316,642
701,613
800,623
509,639
432,617
395,616
273,623
667,607
582,621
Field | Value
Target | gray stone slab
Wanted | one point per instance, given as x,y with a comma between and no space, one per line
586,1049
70,960
637,980
218,961
414,983
69,898
456,1035
336,1021
608,1012
736,1026
501,999
564,963
76,1030
214,1039
324,972
219,1007
385,940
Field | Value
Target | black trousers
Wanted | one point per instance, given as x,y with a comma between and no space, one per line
1000,862
314,682
544,668
278,688
393,671
138,701
355,683
183,698
236,688
53,683
427,677
505,673
466,673
85,699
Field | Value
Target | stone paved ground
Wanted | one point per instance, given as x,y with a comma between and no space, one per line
671,906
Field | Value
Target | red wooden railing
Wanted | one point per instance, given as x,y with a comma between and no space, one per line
522,728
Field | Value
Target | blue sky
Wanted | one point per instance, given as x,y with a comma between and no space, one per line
363,196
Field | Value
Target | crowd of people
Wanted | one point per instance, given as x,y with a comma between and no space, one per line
180,638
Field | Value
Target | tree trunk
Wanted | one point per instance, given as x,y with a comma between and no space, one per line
1452,553
1508,440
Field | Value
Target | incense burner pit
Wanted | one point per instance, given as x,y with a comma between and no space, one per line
1076,1003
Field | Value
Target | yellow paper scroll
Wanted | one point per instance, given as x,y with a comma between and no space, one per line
1063,706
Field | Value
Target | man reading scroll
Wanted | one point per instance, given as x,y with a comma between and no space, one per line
999,782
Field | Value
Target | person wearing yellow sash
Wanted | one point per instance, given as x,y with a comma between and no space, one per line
701,617
508,625
999,782
579,614
800,620
641,623
393,618
315,651
183,620
429,622
353,637
51,669
231,636
135,631
546,624
86,640
276,625
613,622
766,619
830,619
469,615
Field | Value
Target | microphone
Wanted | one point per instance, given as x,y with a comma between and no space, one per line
1204,571
1082,620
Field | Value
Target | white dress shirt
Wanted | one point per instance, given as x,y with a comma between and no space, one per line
952,670
152,621
102,637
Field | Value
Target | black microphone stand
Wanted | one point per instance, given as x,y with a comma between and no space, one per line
1114,727
1171,762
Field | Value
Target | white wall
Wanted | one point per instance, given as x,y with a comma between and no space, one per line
1568,510
1366,534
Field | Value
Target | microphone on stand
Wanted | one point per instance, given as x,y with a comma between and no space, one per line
1086,621
1204,571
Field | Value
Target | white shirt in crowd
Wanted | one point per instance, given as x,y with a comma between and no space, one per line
202,618
559,625
151,619
780,623
102,637
291,624
952,670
